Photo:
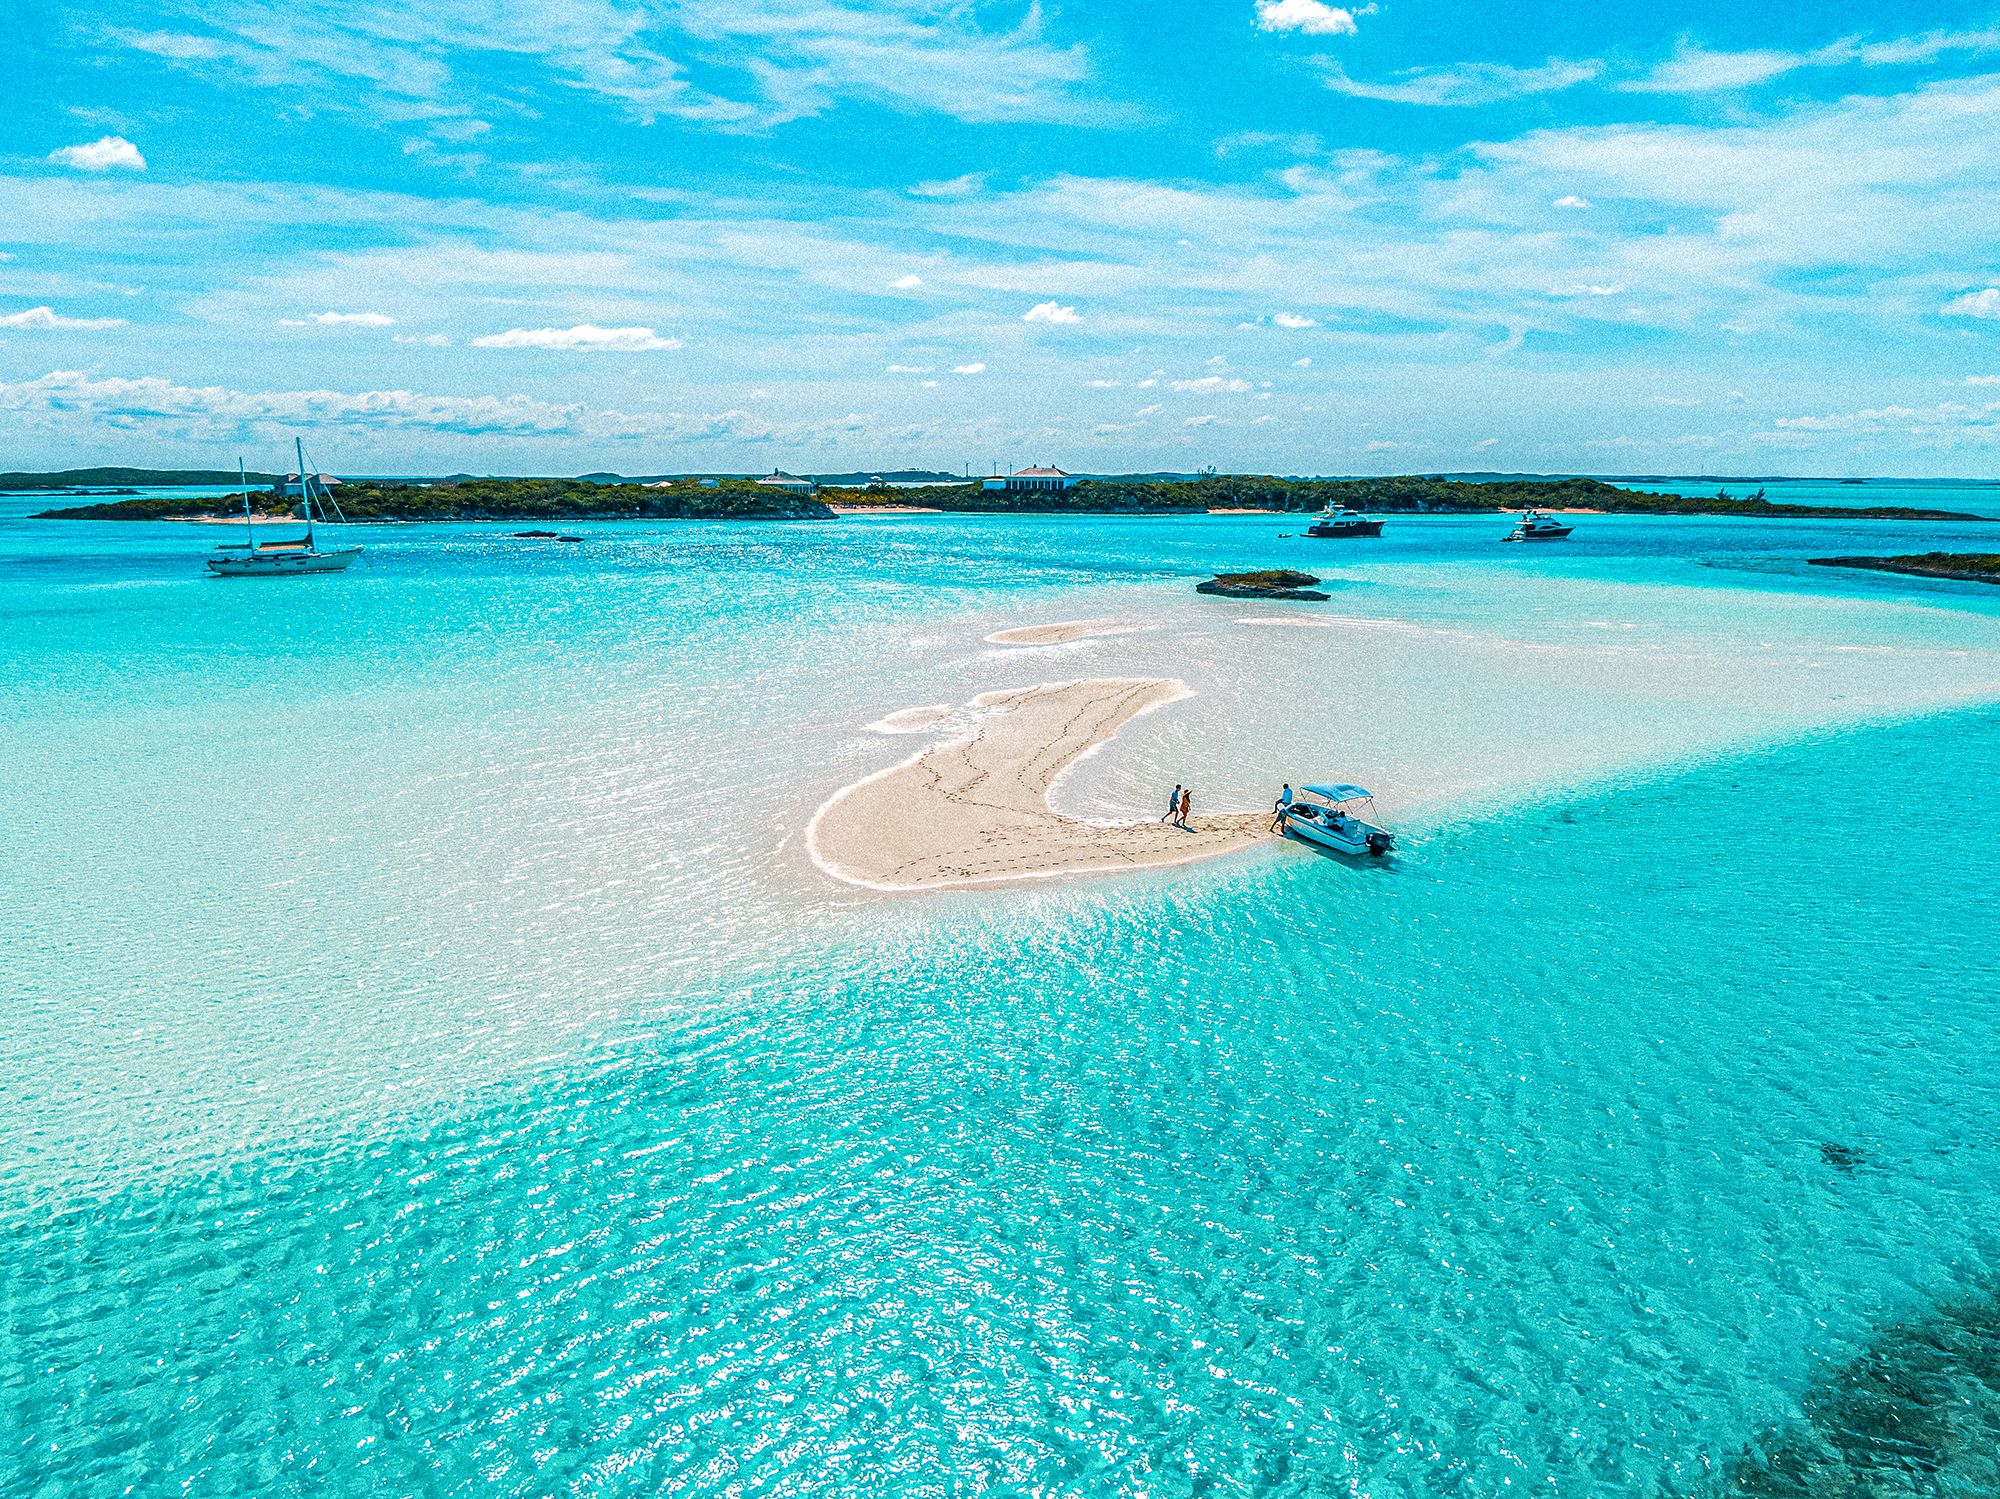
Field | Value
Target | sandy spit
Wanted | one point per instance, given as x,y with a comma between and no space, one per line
973,810
1067,630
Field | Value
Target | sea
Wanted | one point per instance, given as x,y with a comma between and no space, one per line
431,1062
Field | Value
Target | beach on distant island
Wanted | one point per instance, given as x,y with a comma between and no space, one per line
974,810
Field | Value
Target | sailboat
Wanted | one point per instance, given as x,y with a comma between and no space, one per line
277,559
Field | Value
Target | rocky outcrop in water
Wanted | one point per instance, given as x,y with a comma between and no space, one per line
1273,583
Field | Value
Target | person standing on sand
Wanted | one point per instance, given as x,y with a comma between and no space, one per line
1187,801
1173,804
1284,805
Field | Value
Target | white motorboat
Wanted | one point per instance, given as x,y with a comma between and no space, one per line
279,559
1332,522
1327,816
1536,526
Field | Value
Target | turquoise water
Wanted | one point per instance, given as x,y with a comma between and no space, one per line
434,1066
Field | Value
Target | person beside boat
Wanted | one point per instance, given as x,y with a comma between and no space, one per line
1281,808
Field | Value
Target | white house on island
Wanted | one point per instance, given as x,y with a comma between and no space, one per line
779,479
292,489
1031,478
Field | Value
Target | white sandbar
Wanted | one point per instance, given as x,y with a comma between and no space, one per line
973,810
1066,631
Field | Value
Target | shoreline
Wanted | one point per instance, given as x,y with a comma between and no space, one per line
972,809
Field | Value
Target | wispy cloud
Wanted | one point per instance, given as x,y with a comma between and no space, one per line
48,317
1294,320
342,320
110,153
968,369
1694,69
585,337
691,60
1979,304
1466,84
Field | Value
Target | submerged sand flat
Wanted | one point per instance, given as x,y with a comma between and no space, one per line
974,809
1066,631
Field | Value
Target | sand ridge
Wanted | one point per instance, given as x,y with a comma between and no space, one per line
973,809
1067,630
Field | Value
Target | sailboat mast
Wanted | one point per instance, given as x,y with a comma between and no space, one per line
305,489
249,526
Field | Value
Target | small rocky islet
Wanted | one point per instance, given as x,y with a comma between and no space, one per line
1270,583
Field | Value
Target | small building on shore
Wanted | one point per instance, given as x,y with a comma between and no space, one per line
292,489
1031,479
791,483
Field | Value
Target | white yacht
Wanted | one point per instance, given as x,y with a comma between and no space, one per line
1343,522
277,559
1536,526
1330,820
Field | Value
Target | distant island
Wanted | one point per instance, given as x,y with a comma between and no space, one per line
124,478
1965,567
493,499
594,497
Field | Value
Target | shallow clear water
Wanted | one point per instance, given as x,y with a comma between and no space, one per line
433,1064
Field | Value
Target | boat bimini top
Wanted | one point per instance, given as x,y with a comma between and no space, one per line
1338,793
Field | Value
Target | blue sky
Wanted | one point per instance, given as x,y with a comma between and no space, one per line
1268,235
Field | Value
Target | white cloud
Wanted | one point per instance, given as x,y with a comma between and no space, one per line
907,369
150,400
584,336
1979,304
1302,364
1149,411
1294,320
48,317
1309,16
112,152
427,340
968,369
907,283
1383,447
1466,84
1104,384
1200,421
1588,289
1571,200
342,320
1696,70
1212,384
1982,379
1486,442
1050,312
955,187
755,65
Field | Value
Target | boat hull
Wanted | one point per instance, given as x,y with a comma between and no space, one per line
1366,839
1549,533
283,564
1362,528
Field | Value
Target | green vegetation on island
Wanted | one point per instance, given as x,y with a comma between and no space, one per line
1967,567
495,499
1408,494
